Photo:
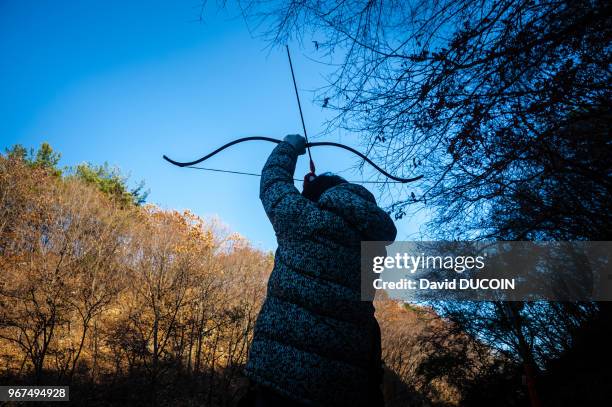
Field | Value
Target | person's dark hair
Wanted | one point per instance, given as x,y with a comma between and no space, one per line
315,188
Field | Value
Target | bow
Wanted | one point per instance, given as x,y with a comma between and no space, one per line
315,144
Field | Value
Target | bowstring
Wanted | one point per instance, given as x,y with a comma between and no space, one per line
253,174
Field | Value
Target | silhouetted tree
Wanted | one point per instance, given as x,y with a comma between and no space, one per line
504,106
464,92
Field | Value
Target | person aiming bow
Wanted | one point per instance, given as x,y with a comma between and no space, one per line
316,343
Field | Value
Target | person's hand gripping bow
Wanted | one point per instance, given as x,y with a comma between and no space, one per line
298,142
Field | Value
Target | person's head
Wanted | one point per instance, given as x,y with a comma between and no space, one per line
313,189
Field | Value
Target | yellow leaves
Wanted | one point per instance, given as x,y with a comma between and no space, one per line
69,252
187,232
238,240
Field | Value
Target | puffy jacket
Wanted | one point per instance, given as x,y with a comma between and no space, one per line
315,341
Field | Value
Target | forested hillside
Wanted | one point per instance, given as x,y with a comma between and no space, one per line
99,289
130,304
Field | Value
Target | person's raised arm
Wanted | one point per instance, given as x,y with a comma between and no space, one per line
283,203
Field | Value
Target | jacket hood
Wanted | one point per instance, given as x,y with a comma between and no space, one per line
357,206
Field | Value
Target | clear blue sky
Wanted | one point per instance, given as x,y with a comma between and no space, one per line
124,82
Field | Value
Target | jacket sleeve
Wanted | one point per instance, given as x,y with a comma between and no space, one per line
285,206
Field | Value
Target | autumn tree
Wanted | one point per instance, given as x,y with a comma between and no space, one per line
97,290
60,260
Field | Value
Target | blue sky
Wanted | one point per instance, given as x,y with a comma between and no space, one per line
126,82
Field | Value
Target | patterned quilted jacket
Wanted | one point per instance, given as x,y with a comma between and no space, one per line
315,341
